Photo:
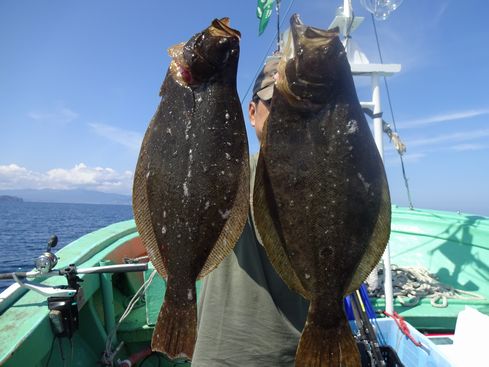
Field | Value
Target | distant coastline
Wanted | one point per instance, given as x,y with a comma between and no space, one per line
64,197
10,199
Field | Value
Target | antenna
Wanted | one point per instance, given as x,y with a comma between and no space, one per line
277,8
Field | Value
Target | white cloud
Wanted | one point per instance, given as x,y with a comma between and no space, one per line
468,147
127,138
450,138
460,115
60,115
80,176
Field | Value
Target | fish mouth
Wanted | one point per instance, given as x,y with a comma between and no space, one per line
314,50
221,28
204,54
310,60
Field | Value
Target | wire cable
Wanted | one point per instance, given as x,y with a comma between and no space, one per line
406,183
266,55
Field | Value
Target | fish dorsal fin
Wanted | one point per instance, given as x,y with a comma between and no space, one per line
376,246
267,231
232,230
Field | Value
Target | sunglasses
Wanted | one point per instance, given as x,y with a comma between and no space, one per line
267,103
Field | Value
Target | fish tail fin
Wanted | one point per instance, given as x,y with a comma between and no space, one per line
175,331
327,347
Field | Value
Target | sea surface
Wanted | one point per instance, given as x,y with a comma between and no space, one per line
25,229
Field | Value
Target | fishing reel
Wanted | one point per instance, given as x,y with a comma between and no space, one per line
63,299
47,261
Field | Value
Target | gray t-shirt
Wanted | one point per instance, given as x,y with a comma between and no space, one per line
247,316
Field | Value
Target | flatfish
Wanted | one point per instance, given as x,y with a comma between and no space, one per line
191,185
321,202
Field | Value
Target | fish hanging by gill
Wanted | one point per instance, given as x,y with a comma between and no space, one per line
321,202
191,185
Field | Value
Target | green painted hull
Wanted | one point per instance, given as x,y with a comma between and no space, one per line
454,246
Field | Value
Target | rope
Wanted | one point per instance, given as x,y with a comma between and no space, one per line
108,357
411,284
135,260
401,324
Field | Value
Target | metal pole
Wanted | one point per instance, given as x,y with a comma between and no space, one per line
108,300
378,136
277,8
347,8
378,130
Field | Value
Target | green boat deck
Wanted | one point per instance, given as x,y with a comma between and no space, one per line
453,246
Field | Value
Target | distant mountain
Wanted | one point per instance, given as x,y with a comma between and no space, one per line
69,196
10,199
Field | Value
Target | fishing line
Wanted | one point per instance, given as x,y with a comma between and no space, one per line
266,54
61,352
392,113
51,351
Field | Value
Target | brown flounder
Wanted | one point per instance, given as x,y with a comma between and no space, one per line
321,201
191,185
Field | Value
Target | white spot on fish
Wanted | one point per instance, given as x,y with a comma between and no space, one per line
199,99
164,213
188,125
185,189
225,214
168,130
148,174
191,159
229,143
189,294
163,229
307,276
228,156
227,116
352,127
207,205
365,183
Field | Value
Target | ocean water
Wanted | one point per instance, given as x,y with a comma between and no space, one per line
25,229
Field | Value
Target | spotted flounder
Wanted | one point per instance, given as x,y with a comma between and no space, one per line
191,185
321,202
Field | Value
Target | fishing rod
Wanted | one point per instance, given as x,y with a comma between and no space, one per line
367,332
45,268
63,300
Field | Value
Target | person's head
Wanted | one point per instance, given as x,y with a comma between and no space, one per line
259,107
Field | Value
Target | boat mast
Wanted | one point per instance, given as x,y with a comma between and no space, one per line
360,66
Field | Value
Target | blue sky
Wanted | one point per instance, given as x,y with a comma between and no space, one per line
79,82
